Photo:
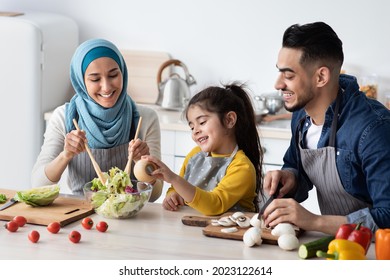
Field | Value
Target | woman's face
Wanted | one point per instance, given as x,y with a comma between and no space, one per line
104,81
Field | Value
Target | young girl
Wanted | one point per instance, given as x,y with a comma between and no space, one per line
224,171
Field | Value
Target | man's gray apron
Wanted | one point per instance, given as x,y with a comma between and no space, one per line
320,167
206,172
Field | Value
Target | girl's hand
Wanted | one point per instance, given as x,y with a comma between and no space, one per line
162,171
74,143
173,201
139,148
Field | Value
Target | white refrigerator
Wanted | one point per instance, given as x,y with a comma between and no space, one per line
35,53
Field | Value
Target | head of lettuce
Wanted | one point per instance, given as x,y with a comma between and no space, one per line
40,196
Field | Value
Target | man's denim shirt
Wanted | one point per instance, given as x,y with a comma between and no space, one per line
363,153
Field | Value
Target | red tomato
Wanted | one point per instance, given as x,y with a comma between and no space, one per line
12,226
33,236
74,236
54,227
102,226
20,220
87,223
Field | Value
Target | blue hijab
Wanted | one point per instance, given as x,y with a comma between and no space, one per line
105,127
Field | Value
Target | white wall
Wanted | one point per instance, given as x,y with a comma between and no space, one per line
224,40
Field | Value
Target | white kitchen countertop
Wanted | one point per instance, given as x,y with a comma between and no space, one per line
154,233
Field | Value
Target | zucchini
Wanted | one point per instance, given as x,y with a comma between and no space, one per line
309,250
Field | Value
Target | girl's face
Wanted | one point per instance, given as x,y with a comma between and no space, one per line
104,81
209,133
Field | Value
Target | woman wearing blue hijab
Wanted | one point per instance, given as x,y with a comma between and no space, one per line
107,117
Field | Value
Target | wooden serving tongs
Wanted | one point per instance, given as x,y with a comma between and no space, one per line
130,160
94,163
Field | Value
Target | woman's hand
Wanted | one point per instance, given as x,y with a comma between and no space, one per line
74,143
139,148
173,201
285,178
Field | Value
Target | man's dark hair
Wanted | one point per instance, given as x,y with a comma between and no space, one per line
318,42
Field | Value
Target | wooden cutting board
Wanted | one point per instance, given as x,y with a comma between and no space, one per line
64,210
215,231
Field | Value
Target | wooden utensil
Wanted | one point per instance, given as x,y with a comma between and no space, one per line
94,163
129,162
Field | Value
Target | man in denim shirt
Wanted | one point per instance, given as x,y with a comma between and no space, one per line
340,139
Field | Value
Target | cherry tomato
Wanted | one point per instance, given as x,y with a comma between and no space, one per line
33,236
74,236
102,226
20,220
54,227
12,226
87,223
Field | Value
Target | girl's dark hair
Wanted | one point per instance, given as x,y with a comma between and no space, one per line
234,97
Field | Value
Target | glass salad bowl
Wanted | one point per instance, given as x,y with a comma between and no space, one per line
120,197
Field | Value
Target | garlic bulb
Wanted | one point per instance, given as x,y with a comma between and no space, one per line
252,237
288,242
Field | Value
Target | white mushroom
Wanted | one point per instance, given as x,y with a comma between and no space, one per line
243,222
252,237
229,230
288,242
226,222
236,215
283,228
255,222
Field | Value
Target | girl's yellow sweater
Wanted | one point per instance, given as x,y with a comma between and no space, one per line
237,186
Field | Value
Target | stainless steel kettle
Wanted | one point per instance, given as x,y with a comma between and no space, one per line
174,92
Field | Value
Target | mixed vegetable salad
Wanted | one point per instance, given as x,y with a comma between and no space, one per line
118,198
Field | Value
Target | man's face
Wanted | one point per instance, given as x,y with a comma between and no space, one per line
295,81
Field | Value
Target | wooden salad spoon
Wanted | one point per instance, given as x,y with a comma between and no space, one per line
94,163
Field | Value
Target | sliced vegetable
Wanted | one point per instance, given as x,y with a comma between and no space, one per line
382,244
117,199
308,250
40,196
342,249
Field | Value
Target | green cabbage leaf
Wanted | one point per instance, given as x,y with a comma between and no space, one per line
40,196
